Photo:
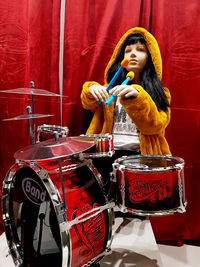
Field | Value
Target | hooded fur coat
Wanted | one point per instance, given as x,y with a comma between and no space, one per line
143,111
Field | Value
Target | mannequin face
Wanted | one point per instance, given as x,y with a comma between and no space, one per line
137,53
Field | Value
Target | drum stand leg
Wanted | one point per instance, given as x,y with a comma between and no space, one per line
55,134
41,217
62,184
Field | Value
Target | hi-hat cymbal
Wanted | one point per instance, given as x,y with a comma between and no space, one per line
50,149
28,116
30,91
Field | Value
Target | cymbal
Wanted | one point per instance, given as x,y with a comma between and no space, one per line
28,116
50,149
30,91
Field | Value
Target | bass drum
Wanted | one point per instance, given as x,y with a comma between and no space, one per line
38,227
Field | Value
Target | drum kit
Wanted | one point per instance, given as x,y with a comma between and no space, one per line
55,209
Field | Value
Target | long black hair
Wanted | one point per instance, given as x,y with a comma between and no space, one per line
148,78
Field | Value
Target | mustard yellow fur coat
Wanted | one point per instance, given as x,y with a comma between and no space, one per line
150,122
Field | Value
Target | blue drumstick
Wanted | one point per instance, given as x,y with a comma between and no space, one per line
123,64
129,76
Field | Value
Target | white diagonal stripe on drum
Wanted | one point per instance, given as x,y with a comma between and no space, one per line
65,226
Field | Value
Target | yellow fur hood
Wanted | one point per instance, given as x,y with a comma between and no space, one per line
152,46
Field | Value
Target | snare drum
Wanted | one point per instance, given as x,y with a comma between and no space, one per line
46,131
40,230
150,185
103,146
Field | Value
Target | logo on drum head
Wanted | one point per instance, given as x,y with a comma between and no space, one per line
153,189
33,191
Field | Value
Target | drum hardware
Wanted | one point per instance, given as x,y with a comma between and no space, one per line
122,186
42,173
45,131
31,132
30,117
104,146
101,154
55,134
31,91
50,149
62,183
84,200
41,217
150,185
60,209
25,117
181,209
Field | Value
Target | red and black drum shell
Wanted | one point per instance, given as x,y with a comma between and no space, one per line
153,190
150,191
32,194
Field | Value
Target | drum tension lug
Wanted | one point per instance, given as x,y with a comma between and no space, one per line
60,209
43,174
113,177
108,250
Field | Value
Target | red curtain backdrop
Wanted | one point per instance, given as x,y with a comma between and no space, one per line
177,27
29,50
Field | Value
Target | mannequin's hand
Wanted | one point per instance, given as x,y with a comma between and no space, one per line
99,92
124,91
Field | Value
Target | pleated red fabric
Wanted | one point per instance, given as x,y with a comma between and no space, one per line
29,51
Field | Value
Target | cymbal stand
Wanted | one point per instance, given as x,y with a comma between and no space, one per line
32,85
28,109
55,134
32,132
